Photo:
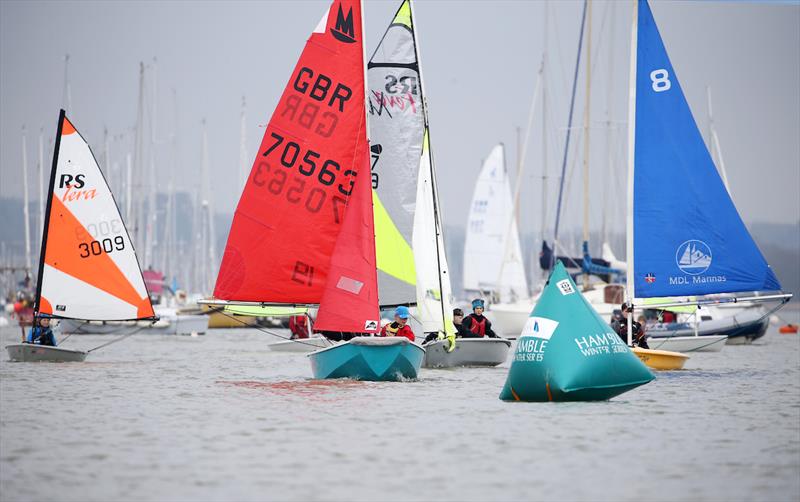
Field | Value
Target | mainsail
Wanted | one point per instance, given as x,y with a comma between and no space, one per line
410,248
492,252
88,267
687,237
293,205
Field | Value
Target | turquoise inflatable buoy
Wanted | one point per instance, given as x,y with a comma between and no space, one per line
567,352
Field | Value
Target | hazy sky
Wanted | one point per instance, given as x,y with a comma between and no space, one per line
479,63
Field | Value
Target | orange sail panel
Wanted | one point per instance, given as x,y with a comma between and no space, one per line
350,299
292,207
90,269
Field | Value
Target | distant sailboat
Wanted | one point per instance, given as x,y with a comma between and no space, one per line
492,253
87,268
689,239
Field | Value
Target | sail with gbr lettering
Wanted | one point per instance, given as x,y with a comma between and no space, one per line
88,267
293,205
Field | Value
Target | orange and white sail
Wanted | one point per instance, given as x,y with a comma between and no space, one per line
88,267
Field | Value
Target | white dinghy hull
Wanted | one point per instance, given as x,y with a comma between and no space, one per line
30,352
708,343
468,352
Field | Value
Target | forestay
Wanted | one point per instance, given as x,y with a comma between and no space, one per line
293,205
492,251
688,238
88,266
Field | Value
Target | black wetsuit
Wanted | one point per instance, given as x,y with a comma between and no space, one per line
620,325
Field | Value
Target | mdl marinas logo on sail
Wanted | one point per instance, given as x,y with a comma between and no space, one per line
693,257
534,338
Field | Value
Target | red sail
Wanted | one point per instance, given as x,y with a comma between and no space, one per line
292,207
350,300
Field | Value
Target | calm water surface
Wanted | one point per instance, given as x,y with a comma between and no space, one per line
220,417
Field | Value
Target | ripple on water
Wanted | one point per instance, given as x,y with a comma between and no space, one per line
171,419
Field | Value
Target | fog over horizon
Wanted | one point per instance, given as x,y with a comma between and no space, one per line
479,64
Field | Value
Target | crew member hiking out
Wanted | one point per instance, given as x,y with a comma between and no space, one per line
476,325
399,326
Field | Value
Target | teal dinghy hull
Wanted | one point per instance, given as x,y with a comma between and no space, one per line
369,358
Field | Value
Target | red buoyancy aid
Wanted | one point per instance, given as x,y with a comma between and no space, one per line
477,327
394,329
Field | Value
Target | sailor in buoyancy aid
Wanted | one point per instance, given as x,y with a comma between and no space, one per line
476,325
41,334
399,326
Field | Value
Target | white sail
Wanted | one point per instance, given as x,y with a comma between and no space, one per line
434,308
492,251
89,268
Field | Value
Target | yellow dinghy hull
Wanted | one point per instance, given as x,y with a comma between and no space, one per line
663,360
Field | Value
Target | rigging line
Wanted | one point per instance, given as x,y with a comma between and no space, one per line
518,185
652,341
119,339
268,332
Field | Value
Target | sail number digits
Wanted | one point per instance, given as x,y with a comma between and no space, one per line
97,248
288,154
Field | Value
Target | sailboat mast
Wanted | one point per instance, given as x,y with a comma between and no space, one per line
243,172
569,131
586,149
56,148
544,122
66,98
609,130
41,180
25,202
138,153
434,185
631,162
523,151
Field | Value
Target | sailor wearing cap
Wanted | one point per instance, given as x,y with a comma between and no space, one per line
399,326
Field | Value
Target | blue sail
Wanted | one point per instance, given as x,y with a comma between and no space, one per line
688,237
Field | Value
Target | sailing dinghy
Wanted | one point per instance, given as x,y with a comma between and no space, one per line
412,265
303,231
567,352
87,266
684,234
